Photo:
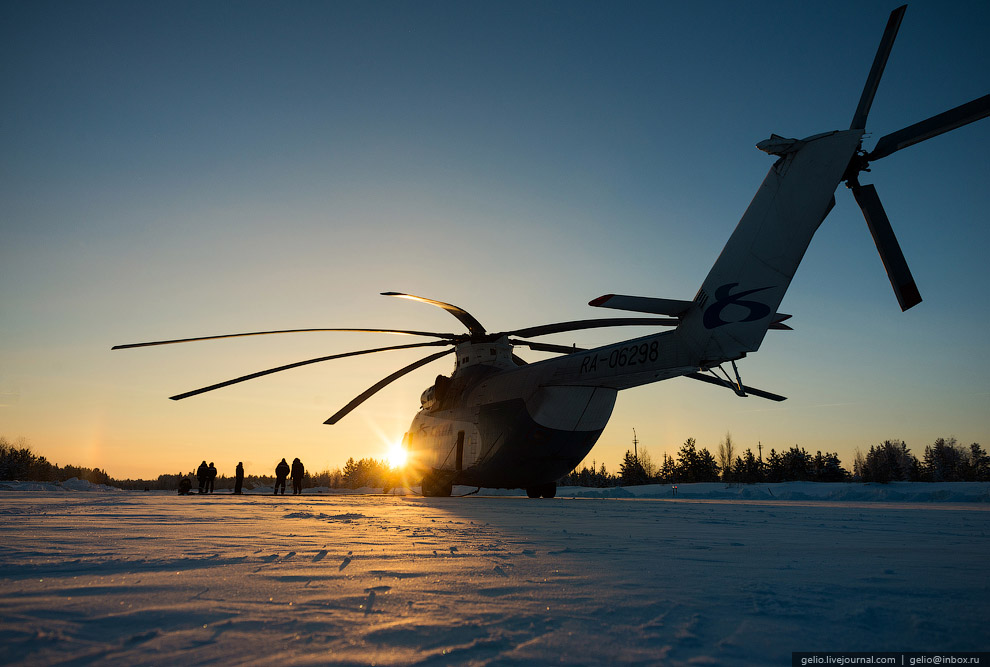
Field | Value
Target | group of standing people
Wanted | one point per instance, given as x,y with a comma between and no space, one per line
283,470
207,474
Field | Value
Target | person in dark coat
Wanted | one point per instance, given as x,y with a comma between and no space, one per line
211,477
238,478
281,472
202,474
297,476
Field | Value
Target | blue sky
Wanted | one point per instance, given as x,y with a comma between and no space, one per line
181,169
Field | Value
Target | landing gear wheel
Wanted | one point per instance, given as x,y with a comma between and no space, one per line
435,488
548,490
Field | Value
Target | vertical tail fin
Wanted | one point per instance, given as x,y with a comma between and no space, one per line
738,300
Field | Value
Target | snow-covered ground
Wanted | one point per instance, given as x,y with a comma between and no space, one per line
717,575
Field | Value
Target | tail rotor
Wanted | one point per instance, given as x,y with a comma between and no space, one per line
866,196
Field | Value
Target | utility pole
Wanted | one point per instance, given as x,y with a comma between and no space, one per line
759,446
635,443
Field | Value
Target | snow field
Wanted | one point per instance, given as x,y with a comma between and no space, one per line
149,578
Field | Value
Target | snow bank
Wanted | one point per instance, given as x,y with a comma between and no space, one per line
906,492
72,484
915,492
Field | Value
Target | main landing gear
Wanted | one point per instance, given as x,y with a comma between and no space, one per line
548,490
436,487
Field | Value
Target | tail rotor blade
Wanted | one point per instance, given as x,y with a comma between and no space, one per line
932,127
371,391
879,63
890,250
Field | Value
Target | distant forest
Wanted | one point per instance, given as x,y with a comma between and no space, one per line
945,460
18,462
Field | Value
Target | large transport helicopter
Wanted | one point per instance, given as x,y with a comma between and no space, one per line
498,421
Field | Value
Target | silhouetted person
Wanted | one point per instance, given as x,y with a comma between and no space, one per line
281,472
185,486
238,478
297,474
202,474
211,477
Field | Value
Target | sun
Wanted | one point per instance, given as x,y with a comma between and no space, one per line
396,455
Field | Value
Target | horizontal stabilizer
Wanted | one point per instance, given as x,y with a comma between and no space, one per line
764,394
778,322
741,390
643,304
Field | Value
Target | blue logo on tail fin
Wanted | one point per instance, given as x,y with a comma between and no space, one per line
724,297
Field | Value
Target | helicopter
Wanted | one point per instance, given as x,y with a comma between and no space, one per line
497,421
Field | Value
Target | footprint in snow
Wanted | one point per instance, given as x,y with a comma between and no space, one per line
288,556
320,556
499,571
369,603
141,638
344,563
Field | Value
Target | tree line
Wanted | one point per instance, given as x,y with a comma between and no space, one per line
19,462
945,460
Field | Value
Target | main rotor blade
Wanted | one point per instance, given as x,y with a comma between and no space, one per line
244,378
879,63
890,250
577,325
932,127
446,336
548,347
340,414
465,318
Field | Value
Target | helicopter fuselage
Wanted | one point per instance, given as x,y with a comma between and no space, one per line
495,423
499,422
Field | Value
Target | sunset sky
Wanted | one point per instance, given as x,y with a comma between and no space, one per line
178,169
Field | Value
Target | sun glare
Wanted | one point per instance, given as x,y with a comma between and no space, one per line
396,455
